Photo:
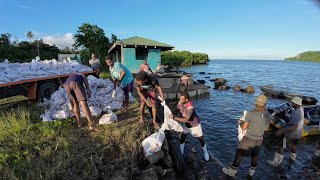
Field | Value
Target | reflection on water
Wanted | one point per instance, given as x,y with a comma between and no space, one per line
220,111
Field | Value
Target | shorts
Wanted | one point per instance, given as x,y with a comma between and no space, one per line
290,142
76,92
194,131
128,88
151,95
248,145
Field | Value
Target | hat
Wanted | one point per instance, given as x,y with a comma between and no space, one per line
296,100
261,100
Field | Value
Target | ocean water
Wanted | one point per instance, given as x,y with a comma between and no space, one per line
220,111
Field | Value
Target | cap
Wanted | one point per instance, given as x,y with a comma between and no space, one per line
261,100
297,100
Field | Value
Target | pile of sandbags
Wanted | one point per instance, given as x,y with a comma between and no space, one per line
59,107
12,72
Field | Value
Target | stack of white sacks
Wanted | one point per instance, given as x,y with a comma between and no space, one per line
58,106
101,101
12,72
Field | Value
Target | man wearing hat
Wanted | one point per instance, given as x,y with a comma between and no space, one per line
292,131
256,122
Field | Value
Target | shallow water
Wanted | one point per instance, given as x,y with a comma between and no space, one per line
220,111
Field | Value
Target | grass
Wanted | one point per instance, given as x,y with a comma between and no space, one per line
104,74
31,149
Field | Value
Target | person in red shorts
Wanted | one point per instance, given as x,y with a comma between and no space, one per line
79,95
146,86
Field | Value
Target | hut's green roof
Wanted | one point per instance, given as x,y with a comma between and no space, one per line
139,41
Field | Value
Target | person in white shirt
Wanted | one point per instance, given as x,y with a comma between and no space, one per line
94,63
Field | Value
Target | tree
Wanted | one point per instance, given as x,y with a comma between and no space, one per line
5,39
114,38
92,38
30,35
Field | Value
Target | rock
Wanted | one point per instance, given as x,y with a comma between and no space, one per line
193,150
166,162
224,87
168,174
155,157
209,73
201,81
248,89
237,88
120,174
150,173
202,73
219,82
207,77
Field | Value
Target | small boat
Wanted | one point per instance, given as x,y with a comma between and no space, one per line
311,114
280,94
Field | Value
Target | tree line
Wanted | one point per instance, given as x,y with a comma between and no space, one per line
88,39
183,58
311,56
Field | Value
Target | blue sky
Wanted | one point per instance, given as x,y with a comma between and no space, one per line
241,29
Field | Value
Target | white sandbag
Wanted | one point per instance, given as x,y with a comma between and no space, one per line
108,118
242,133
47,117
61,114
131,98
95,111
153,143
119,95
169,123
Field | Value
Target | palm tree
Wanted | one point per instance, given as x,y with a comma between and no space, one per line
30,35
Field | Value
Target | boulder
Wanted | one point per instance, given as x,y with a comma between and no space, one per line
155,157
151,173
219,82
224,87
249,89
118,174
201,81
207,77
202,73
237,88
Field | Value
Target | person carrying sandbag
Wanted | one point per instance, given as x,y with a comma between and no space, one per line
191,124
256,122
79,95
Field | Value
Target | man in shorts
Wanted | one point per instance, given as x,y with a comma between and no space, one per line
256,122
146,86
121,75
292,131
191,123
78,95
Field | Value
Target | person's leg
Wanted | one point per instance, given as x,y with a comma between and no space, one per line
278,156
76,112
142,105
88,115
293,155
182,141
237,159
201,139
126,99
152,97
233,167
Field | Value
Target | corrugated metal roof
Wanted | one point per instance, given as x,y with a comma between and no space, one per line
139,41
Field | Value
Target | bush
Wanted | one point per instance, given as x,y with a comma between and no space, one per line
184,58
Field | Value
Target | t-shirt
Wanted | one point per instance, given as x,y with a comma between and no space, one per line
258,123
116,72
297,117
94,63
75,77
188,110
152,82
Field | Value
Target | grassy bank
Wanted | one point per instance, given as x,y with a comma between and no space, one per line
31,149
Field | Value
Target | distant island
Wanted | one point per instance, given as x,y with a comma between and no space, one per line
310,56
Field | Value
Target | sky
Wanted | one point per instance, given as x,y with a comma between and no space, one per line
224,29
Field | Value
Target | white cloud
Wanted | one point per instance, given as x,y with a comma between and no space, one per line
22,6
61,41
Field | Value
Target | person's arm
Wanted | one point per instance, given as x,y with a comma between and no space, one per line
186,118
160,92
86,83
290,127
142,96
114,83
150,70
244,125
294,122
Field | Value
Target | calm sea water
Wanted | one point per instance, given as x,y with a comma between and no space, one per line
220,111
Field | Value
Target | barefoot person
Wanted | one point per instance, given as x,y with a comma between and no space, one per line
145,67
146,86
121,76
191,124
292,131
78,94
256,122
184,83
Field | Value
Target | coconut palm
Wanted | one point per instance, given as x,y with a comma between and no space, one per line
30,35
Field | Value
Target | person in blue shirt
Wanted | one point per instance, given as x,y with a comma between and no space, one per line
121,76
